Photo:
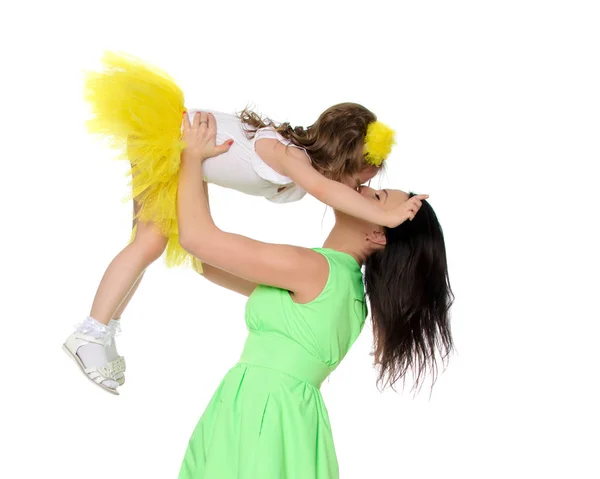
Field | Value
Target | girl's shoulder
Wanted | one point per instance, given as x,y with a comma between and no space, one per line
270,133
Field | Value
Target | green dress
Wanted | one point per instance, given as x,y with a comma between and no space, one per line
267,419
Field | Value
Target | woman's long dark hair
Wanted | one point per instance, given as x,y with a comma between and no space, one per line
409,293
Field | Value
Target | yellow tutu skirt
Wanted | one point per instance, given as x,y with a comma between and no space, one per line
138,109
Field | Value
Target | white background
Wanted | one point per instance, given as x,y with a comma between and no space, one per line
496,105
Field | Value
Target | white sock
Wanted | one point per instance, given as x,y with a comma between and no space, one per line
95,355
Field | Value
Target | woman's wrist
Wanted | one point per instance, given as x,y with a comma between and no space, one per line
192,163
192,156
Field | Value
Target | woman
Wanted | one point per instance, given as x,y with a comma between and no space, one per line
267,419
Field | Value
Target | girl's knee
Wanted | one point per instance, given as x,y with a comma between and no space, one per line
151,244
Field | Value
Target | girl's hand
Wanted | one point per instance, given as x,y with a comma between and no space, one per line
406,211
200,137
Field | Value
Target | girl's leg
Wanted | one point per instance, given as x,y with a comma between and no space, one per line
111,349
93,343
125,270
119,312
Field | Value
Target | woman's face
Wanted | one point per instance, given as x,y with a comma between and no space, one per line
385,199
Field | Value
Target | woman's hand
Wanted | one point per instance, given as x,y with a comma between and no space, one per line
200,137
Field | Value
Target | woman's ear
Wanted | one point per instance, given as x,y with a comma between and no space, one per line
377,237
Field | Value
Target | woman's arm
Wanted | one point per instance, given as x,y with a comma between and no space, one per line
299,270
223,278
227,280
295,164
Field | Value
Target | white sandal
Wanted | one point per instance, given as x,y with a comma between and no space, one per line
113,370
115,329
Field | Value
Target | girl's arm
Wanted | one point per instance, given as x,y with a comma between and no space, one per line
296,165
301,271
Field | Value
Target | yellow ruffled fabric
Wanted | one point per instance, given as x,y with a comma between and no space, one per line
138,109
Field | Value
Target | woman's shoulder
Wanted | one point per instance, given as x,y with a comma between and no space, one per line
345,274
330,276
344,259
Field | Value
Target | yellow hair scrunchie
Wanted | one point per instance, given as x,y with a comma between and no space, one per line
378,143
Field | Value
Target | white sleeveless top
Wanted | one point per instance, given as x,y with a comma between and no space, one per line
241,168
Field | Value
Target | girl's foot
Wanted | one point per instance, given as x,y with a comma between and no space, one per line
92,347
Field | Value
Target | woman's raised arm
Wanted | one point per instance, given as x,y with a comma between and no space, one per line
298,270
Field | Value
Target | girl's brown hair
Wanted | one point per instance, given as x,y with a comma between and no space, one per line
335,142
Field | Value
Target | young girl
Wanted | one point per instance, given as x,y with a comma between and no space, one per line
139,108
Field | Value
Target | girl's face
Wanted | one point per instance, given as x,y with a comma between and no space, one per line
363,177
367,174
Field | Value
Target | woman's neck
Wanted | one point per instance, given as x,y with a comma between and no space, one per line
340,239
